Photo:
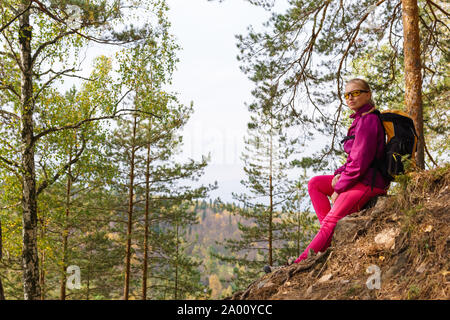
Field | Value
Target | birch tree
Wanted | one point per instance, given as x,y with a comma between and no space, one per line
38,37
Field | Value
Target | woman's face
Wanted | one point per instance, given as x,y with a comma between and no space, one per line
355,103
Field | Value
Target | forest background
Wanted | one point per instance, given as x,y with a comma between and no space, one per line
93,173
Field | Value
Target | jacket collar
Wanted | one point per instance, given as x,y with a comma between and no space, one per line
361,110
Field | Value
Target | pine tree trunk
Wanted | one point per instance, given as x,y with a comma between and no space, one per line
147,193
66,235
270,198
176,263
270,222
413,75
298,224
42,276
30,260
130,215
87,287
88,284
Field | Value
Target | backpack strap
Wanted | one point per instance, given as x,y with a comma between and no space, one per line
378,163
370,111
347,138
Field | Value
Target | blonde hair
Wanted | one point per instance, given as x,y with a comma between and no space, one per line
365,86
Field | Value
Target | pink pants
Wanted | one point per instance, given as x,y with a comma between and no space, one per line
348,202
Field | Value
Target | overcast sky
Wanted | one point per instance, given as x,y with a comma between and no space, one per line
208,74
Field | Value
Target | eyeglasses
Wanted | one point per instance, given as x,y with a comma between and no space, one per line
354,93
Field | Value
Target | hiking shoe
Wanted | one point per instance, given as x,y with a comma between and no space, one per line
267,269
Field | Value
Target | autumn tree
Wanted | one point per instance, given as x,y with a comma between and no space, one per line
80,177
38,37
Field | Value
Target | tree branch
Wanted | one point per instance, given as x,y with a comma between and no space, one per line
344,57
429,155
439,8
46,84
76,31
11,89
10,162
80,123
5,114
49,182
9,168
11,206
435,17
48,43
13,53
16,17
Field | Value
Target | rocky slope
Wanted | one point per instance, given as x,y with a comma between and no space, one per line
397,249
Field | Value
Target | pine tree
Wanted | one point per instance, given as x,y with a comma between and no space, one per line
169,201
267,161
312,43
298,223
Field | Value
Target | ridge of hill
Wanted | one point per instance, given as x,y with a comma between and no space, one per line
396,249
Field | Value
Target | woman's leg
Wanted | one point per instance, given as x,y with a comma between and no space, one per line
347,203
319,189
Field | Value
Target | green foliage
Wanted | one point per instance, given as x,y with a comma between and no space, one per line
80,177
413,292
304,55
268,233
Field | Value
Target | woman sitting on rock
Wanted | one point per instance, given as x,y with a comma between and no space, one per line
351,185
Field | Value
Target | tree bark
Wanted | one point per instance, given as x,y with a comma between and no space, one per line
298,224
30,259
271,196
42,269
146,223
176,260
126,289
66,234
88,280
413,73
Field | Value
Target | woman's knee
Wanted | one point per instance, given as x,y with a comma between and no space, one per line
319,182
313,183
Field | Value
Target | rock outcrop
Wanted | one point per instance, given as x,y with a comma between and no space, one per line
396,249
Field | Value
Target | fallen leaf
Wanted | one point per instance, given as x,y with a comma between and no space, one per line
325,278
421,268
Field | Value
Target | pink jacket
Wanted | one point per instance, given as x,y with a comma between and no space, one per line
362,150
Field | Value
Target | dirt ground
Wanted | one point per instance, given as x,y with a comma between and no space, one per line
397,249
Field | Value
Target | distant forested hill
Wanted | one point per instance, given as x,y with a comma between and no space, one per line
215,225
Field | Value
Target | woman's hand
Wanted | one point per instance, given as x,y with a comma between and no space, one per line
335,180
334,196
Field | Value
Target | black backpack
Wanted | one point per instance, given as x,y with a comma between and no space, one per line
400,140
